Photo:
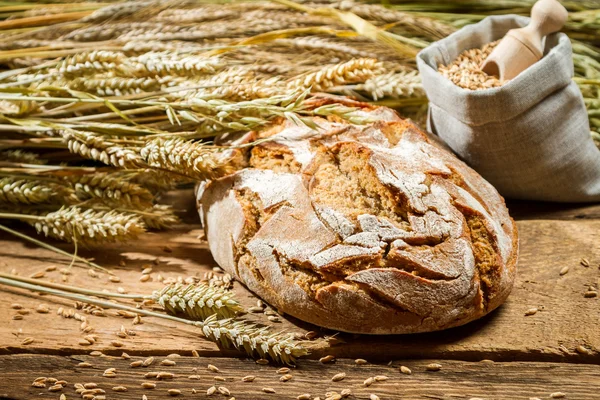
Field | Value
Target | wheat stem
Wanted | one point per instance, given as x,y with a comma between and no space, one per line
255,341
54,249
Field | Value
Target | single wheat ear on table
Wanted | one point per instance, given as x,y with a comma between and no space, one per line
197,301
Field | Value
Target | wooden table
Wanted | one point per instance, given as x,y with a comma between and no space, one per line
506,355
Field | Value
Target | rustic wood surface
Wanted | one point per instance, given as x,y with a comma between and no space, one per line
565,329
456,379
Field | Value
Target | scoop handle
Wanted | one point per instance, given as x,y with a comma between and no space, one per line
547,16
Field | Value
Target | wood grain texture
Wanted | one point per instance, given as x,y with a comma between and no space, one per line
567,320
456,379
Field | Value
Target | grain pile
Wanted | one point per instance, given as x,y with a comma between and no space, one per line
466,70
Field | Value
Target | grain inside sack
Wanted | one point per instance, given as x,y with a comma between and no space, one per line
529,136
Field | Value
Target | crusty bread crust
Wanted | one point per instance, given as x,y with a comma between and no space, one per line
367,229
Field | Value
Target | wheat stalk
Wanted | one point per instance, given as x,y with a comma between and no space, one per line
254,340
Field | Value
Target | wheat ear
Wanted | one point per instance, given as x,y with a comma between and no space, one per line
112,189
197,301
186,157
73,224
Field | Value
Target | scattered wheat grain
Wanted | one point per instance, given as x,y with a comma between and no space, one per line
42,309
27,340
433,367
223,390
165,375
327,359
148,361
338,377
531,311
212,368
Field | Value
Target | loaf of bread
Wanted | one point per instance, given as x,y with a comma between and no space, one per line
370,229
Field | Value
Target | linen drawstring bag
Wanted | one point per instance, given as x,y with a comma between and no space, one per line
530,137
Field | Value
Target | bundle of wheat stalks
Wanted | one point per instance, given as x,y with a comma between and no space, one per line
105,105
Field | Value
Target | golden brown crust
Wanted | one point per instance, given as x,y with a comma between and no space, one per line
366,229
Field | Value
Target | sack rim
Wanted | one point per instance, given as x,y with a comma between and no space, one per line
477,107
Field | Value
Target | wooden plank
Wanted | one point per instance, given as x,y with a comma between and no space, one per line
456,379
568,320
524,210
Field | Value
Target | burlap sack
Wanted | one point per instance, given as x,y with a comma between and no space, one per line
530,138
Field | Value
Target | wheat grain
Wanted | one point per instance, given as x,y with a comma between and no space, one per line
466,70
433,367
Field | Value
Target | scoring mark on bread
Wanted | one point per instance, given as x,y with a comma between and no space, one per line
356,207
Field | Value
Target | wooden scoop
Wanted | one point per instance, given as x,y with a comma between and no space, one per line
522,47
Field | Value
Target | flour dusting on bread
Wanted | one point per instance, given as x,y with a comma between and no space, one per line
366,229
